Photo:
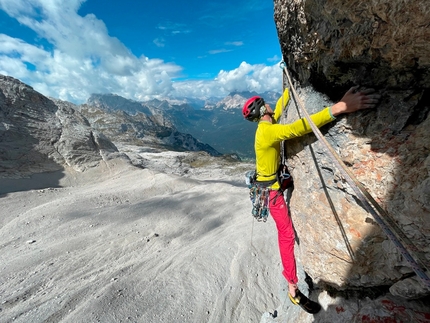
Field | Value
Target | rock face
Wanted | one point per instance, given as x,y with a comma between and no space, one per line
333,43
37,135
329,46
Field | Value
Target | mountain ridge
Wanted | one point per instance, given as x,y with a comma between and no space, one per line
220,124
40,134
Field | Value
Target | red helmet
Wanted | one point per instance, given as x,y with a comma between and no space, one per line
251,108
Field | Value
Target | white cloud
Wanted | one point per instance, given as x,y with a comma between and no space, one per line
251,77
85,60
219,51
159,42
275,58
246,77
174,28
235,43
225,50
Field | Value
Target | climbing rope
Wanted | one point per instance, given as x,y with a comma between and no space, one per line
412,254
283,146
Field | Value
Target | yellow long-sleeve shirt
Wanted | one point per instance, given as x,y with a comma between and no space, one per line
269,136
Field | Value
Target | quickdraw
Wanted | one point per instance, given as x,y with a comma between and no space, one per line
259,197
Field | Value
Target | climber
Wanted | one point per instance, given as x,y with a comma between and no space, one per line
268,137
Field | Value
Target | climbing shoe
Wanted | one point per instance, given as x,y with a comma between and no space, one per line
305,303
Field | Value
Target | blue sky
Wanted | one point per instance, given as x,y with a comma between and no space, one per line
140,49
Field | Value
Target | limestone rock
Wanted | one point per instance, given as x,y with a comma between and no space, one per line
409,288
332,43
27,131
37,135
329,46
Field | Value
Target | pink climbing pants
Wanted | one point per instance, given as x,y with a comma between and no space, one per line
279,211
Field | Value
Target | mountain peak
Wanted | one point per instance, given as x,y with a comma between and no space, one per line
243,93
114,102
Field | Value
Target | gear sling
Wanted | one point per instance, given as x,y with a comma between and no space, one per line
259,191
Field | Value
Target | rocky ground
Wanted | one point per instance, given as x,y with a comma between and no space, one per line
169,241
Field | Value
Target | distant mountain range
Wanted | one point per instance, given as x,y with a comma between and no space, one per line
39,134
134,123
216,122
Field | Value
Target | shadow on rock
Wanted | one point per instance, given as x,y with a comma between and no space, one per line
34,182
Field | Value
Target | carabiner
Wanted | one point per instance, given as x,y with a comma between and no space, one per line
282,65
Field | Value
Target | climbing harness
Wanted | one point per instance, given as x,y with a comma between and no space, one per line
415,258
259,191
